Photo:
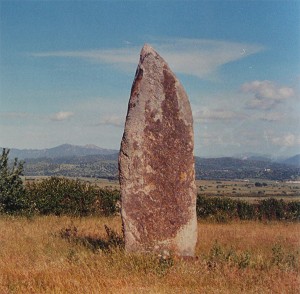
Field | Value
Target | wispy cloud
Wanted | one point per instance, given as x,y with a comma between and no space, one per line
114,120
58,116
266,94
287,140
217,114
198,57
202,57
123,58
224,139
62,115
16,115
272,116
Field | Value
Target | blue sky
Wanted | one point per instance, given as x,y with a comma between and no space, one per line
67,69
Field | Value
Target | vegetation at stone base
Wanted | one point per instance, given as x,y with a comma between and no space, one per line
12,192
225,209
51,254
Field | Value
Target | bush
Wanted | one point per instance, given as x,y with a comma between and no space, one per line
108,201
293,209
220,209
61,196
245,210
70,197
272,209
12,192
224,209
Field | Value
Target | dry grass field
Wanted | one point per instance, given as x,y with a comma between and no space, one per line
62,255
248,190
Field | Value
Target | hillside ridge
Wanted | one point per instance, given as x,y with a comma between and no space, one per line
64,150
93,161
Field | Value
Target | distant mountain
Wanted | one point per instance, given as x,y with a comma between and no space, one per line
65,150
294,160
106,166
95,166
258,158
93,161
253,156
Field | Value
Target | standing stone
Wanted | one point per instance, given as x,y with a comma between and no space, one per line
156,163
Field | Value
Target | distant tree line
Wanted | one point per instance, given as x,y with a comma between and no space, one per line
223,209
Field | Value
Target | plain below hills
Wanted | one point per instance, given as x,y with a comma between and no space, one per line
93,161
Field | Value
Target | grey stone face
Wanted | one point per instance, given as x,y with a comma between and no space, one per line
156,163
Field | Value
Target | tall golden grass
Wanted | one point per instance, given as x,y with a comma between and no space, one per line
37,256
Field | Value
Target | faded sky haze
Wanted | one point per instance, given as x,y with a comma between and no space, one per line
66,69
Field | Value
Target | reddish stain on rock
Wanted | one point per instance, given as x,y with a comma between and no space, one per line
156,163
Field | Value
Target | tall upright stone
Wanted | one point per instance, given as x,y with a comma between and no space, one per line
156,163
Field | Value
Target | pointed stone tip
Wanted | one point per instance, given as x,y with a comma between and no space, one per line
147,49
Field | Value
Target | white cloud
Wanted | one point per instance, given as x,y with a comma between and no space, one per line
198,57
123,58
58,116
201,57
266,94
62,115
288,140
271,117
216,114
217,139
16,115
101,111
113,120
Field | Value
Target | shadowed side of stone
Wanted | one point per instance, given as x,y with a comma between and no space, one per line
156,163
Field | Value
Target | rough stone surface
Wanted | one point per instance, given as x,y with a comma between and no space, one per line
156,163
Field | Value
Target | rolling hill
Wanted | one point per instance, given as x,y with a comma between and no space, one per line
64,150
294,160
93,161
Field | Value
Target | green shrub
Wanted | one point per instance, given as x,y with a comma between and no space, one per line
108,201
219,256
224,209
293,209
245,210
216,208
61,196
12,192
272,209
284,259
